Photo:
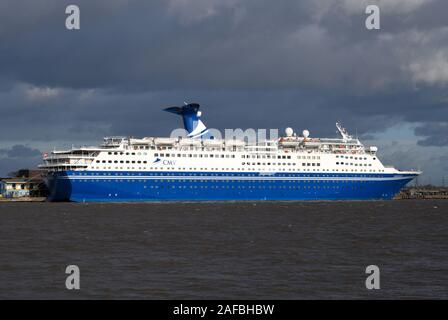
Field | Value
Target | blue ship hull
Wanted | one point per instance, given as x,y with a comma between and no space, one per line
127,186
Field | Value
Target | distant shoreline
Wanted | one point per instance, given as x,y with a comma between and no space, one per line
399,197
24,199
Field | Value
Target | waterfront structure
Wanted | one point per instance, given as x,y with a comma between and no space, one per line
20,187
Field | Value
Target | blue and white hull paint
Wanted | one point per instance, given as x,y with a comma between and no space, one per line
101,186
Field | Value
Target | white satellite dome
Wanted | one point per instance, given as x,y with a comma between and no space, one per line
306,133
289,132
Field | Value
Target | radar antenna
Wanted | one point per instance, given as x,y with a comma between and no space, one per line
343,131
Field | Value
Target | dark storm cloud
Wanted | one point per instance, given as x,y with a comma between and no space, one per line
18,157
251,64
436,133
200,44
20,151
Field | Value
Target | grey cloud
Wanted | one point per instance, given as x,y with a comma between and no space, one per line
86,115
20,151
405,155
435,133
18,157
144,46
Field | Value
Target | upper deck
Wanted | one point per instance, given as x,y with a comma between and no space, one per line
290,152
288,147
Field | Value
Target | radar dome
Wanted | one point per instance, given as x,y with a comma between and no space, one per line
289,132
306,133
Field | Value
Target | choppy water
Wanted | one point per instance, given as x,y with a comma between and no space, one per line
272,250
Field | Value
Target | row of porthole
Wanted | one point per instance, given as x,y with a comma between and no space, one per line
230,181
255,187
233,169
246,187
217,175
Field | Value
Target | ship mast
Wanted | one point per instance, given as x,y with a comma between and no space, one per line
343,132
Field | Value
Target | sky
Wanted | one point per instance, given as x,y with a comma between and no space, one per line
303,64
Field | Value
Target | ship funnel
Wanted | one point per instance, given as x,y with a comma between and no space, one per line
190,114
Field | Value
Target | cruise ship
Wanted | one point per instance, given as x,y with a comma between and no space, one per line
199,167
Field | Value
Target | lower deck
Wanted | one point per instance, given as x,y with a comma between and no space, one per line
212,186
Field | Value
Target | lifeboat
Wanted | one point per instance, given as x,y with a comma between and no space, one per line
212,143
139,141
235,143
289,142
190,142
164,141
